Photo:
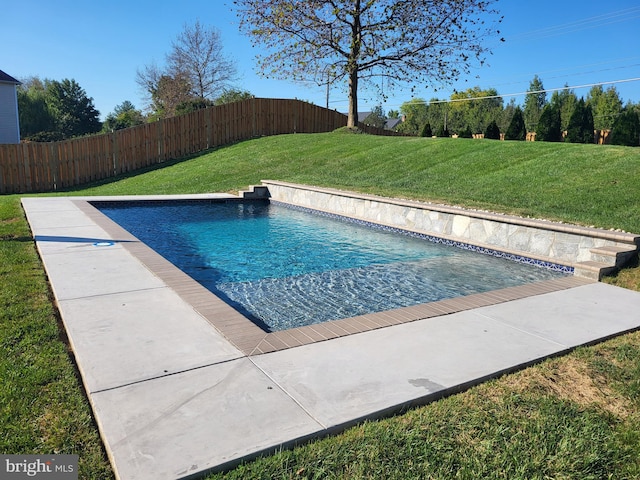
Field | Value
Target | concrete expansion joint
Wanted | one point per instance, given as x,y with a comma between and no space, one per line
522,330
286,392
110,294
164,375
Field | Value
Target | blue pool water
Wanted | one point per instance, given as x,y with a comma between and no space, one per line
285,268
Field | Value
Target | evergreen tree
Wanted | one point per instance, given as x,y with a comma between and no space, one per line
588,130
442,131
124,115
606,105
548,129
534,102
565,100
626,128
466,133
426,130
493,131
580,128
504,119
376,118
516,130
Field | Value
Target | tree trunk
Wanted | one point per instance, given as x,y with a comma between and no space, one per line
352,118
352,66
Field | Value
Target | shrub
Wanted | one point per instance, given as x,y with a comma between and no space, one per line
442,131
46,137
193,105
349,130
426,130
493,131
626,129
548,128
580,128
466,133
516,129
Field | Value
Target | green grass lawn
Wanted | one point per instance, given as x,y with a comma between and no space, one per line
587,184
571,417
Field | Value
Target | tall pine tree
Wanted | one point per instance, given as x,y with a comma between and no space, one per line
549,129
516,129
534,102
626,128
580,128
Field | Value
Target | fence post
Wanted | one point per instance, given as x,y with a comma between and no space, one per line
252,110
207,122
160,139
55,165
114,155
27,168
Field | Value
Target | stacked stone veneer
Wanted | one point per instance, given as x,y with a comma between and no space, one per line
591,252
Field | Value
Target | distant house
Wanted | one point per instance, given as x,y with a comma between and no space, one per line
390,124
9,120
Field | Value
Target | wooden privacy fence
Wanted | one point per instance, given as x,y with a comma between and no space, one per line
52,166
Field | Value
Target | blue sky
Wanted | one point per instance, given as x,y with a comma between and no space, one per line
101,44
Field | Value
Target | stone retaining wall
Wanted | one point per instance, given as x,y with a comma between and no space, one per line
537,239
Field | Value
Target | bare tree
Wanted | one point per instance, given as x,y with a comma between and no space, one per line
401,41
196,69
198,54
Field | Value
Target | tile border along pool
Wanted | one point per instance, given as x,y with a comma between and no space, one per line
180,383
591,252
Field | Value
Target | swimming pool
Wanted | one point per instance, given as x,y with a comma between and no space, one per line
284,268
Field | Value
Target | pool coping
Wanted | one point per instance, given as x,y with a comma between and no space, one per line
612,234
252,340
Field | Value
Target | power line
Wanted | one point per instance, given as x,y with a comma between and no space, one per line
572,74
546,90
584,24
533,92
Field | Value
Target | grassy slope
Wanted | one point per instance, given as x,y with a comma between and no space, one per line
587,184
570,417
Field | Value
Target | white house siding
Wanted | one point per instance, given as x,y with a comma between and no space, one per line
9,123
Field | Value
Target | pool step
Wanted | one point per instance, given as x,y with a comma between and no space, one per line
593,270
619,255
605,261
255,191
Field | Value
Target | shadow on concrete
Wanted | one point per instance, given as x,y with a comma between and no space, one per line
95,241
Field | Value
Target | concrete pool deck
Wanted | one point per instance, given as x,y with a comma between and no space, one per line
174,397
